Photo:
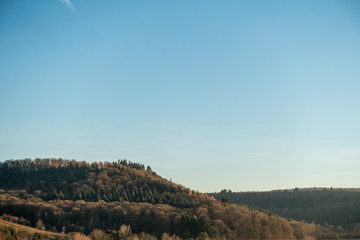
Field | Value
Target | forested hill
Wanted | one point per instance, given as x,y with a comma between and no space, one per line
123,180
327,206
124,198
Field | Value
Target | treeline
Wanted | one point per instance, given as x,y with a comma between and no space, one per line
69,196
338,209
63,179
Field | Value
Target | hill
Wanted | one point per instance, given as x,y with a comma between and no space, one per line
334,207
122,198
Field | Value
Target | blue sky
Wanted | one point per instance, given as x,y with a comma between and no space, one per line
245,95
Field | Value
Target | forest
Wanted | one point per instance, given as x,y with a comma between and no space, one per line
336,208
126,200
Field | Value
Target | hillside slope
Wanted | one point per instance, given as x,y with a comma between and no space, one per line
76,196
337,207
10,230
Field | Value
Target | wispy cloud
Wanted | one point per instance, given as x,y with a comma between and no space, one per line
69,4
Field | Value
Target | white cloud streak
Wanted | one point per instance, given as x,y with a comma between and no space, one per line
69,4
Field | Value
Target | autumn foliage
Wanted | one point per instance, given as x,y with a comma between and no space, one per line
119,199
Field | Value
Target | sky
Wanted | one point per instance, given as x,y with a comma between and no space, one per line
240,95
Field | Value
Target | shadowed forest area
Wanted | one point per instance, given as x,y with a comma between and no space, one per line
335,208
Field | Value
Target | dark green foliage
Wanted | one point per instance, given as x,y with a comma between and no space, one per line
192,226
224,200
337,207
135,165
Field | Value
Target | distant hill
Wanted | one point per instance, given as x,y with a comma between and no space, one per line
124,197
339,207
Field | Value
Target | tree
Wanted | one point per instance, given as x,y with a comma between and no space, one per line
356,230
40,225
80,236
98,234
